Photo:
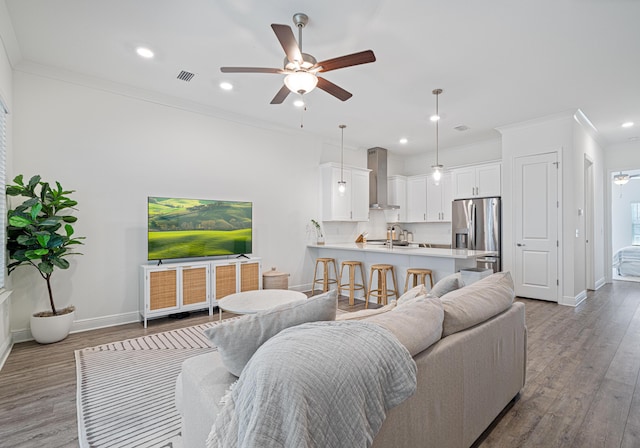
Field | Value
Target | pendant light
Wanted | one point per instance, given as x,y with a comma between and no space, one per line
437,168
342,185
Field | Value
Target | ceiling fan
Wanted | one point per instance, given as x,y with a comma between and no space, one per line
302,68
621,179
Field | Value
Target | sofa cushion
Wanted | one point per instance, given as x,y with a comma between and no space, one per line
417,324
412,293
473,304
363,314
238,340
446,285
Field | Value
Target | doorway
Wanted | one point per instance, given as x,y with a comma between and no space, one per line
625,226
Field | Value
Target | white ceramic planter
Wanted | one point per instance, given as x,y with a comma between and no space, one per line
47,330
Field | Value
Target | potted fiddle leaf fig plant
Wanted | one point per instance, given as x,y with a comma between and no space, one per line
40,234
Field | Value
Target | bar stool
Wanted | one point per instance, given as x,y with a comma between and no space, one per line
326,279
382,292
352,285
418,274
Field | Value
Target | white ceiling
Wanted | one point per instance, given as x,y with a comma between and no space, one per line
498,61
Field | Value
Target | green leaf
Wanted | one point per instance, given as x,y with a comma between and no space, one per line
18,179
19,221
43,240
26,240
36,254
35,210
33,182
69,218
61,263
45,267
69,229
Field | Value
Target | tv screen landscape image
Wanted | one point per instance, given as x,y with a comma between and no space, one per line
189,228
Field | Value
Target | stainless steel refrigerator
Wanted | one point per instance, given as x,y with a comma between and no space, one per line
476,225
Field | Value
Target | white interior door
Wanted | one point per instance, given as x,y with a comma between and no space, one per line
536,226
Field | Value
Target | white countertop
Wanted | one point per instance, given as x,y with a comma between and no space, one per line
463,254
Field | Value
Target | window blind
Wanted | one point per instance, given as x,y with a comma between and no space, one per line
3,198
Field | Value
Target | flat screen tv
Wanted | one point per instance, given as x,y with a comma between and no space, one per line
189,228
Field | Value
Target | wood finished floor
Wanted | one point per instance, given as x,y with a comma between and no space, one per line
582,385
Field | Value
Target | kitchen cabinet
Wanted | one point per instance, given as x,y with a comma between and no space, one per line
174,288
397,195
477,181
417,198
353,205
428,202
439,199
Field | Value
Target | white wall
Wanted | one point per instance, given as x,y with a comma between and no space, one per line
115,151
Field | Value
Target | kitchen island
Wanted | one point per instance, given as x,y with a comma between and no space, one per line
441,261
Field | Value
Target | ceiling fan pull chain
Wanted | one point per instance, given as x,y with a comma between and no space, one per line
304,109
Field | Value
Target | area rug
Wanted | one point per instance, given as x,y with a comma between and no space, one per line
125,394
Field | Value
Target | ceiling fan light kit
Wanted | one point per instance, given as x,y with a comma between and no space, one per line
302,68
621,179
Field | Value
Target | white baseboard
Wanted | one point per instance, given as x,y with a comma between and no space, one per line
573,301
85,325
600,283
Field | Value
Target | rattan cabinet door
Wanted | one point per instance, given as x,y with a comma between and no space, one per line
249,276
225,279
163,289
194,285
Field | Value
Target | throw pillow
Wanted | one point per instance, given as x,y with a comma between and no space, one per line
446,285
363,314
238,340
417,324
412,293
477,302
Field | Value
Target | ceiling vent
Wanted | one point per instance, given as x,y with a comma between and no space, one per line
461,128
185,76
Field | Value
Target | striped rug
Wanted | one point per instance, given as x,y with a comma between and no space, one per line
125,392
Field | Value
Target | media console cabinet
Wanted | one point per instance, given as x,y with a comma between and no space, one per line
188,286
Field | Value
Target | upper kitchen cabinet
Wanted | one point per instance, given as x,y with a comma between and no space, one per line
439,197
397,195
417,198
353,204
477,181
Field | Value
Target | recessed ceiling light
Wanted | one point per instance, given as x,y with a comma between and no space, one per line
627,124
434,118
144,52
403,141
226,86
298,103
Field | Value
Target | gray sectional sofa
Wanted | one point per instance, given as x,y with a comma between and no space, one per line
464,379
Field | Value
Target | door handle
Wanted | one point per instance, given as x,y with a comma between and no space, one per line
520,244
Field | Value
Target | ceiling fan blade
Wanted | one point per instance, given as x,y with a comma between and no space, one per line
363,57
250,70
288,42
333,89
281,95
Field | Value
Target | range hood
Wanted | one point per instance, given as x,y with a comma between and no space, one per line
377,163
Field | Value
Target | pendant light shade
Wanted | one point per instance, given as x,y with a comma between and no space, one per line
342,185
437,168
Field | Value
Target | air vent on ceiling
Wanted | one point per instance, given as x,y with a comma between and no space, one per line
462,127
185,76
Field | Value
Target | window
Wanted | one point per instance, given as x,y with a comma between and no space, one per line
635,223
3,199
